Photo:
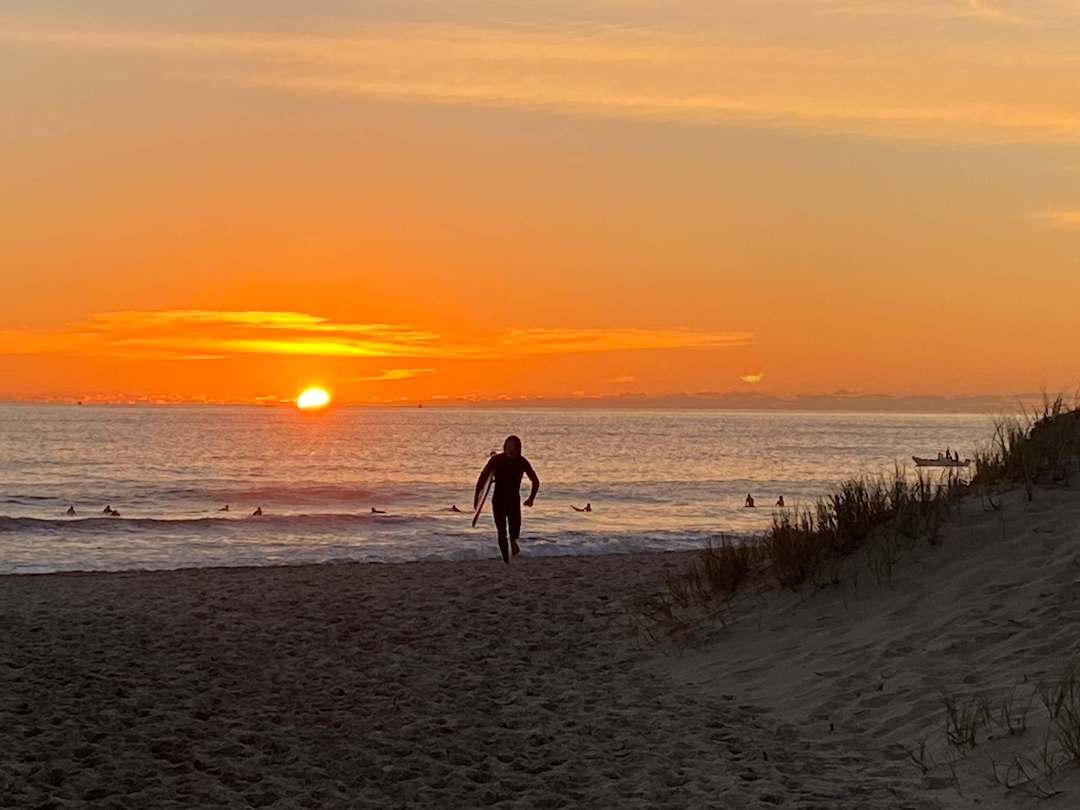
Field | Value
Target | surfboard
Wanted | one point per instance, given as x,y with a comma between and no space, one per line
487,488
483,499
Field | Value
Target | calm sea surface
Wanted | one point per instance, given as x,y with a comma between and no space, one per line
656,479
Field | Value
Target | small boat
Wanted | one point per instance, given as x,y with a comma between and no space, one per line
940,461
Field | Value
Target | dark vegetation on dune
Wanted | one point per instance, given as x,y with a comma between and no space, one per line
883,518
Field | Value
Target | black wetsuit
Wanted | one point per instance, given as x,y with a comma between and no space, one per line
506,500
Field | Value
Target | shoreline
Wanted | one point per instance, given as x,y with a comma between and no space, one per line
524,559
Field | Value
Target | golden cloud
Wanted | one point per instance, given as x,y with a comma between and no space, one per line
752,379
209,334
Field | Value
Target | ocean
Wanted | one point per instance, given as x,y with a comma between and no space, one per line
657,480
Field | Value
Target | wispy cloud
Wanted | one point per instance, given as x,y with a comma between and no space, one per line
981,10
210,334
978,93
752,379
625,379
394,375
1066,218
578,341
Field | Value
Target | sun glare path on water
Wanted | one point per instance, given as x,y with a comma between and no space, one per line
312,399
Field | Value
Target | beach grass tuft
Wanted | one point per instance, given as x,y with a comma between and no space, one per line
1035,447
803,542
886,515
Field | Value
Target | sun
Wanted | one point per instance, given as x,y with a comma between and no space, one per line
313,399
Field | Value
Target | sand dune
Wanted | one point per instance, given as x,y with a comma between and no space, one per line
989,615
470,685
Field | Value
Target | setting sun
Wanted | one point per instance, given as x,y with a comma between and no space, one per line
312,399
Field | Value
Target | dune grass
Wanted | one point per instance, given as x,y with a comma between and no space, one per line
1030,766
801,543
1032,448
884,517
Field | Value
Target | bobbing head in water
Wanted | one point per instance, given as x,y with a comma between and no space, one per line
512,446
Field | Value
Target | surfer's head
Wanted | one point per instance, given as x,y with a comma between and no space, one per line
512,446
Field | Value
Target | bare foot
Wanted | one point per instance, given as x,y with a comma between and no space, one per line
515,548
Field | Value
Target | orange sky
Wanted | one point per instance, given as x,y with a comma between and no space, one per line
400,200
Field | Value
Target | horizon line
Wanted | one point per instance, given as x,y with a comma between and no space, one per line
837,401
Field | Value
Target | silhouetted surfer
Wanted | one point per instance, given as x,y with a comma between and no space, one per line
586,508
257,512
70,511
508,467
453,508
780,501
749,501
375,511
225,508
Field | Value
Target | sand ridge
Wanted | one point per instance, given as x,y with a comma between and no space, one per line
995,608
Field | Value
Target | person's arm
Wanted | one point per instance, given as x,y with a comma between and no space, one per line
529,471
480,481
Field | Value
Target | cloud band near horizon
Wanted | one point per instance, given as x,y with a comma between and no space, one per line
210,335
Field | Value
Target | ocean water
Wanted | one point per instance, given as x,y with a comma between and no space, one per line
657,480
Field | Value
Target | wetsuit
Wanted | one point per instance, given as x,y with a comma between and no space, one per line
506,500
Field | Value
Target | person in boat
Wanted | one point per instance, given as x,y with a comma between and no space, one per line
257,512
508,468
586,508
780,501
70,511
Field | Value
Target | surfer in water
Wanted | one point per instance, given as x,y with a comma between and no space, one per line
508,467
586,508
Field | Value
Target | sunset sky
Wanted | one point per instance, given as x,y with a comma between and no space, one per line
404,200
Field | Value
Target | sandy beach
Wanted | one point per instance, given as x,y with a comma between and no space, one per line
466,684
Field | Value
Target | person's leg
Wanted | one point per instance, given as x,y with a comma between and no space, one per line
500,527
513,517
